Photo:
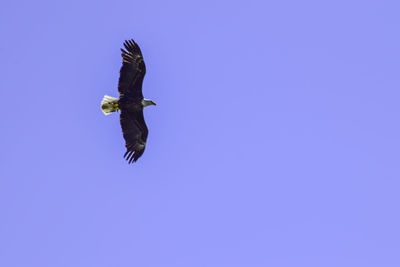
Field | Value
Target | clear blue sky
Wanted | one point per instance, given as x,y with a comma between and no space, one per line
275,141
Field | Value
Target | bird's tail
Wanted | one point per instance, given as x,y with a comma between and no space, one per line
109,104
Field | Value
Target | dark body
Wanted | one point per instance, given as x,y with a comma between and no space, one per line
133,126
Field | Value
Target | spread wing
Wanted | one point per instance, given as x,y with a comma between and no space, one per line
132,72
135,133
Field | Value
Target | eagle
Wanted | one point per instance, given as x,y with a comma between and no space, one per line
131,101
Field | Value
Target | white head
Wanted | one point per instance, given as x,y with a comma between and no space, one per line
148,102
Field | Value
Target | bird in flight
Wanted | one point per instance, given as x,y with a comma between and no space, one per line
131,101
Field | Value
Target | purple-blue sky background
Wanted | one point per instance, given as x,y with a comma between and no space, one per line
275,141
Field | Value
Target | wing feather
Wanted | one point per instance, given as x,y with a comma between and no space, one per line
135,133
132,72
